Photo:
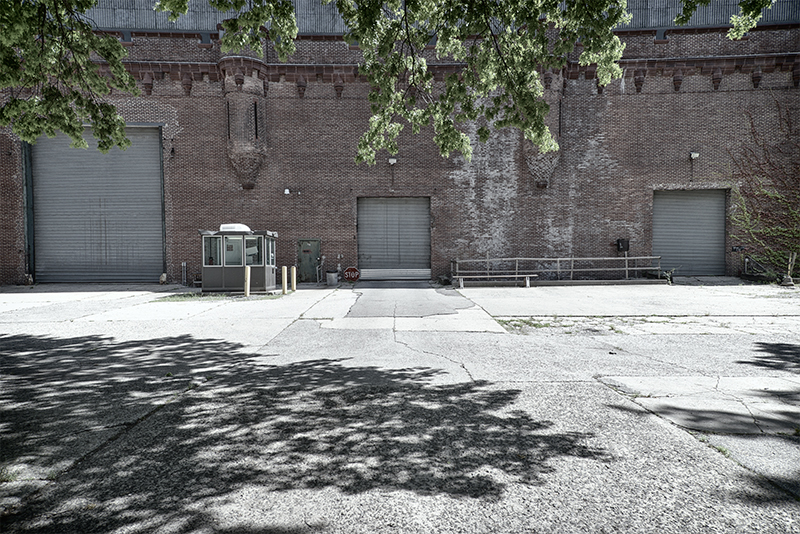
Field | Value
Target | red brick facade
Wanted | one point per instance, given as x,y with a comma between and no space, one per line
682,94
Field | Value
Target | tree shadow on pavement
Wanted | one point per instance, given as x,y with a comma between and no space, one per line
776,356
158,452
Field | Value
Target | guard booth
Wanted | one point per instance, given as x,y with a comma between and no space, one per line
229,250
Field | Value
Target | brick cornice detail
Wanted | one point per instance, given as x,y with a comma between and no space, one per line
348,73
767,63
176,70
273,72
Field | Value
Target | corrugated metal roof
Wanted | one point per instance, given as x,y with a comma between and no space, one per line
662,13
314,18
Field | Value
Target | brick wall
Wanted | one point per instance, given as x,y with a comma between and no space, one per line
618,145
12,222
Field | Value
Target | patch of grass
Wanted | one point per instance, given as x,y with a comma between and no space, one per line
519,324
7,475
722,450
194,296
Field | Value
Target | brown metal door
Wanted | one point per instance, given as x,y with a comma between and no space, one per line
308,257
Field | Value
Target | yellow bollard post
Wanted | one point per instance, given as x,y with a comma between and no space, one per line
246,280
294,278
283,278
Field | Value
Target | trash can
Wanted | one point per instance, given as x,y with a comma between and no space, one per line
333,277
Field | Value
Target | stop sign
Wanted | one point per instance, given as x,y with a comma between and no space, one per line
351,274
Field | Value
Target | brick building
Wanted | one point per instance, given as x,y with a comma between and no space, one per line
223,138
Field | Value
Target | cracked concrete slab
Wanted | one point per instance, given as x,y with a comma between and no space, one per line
378,409
655,300
728,405
358,323
464,320
775,457
395,300
335,305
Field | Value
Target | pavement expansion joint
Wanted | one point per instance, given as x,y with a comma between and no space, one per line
435,354
358,295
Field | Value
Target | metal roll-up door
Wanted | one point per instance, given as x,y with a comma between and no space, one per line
394,238
98,217
689,231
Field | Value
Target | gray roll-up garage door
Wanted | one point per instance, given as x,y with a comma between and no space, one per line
394,238
98,217
689,231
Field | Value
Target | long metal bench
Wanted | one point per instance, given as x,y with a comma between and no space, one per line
499,268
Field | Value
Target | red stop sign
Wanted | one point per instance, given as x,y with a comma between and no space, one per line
351,274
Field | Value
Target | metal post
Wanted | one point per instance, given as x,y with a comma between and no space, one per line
626,265
294,278
571,268
246,280
284,276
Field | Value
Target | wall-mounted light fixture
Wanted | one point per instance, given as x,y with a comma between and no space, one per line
392,161
286,191
694,155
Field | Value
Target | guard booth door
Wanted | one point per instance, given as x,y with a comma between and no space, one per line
308,258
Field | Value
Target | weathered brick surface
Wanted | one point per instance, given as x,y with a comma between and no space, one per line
618,145
12,222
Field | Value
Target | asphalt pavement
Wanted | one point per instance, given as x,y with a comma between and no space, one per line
401,407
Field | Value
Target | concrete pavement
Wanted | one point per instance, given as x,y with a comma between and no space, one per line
400,408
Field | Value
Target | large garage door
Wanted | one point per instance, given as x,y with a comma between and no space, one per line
394,238
98,217
689,231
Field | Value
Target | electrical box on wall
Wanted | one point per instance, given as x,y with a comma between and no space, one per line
623,245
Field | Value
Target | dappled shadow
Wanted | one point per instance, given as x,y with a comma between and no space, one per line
777,356
703,423
250,424
55,389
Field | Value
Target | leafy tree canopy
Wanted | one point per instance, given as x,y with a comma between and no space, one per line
49,57
48,73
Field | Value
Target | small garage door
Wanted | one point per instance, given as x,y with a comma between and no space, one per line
689,231
394,238
98,217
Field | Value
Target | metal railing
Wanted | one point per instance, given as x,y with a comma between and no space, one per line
527,268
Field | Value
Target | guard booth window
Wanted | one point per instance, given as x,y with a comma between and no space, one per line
212,251
233,250
254,250
271,252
